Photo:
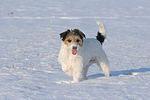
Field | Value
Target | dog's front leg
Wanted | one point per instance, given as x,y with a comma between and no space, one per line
67,69
77,75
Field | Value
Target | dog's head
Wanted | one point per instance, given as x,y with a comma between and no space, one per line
73,39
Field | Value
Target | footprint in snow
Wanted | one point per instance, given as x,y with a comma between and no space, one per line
129,74
67,82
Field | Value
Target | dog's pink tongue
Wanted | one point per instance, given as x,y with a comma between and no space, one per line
74,52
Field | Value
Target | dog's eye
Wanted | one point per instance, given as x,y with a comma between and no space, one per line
69,41
78,40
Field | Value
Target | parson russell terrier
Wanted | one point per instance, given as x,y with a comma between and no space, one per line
77,53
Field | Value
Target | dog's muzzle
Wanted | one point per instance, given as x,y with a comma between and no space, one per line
74,50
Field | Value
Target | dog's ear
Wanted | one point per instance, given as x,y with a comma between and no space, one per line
64,34
82,34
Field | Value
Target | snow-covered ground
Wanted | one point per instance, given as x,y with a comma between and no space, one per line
29,47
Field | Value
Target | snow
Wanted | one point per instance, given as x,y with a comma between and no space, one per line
30,43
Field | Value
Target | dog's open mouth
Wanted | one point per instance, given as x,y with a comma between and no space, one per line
74,52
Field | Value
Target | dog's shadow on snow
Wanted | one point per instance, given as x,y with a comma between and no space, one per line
122,72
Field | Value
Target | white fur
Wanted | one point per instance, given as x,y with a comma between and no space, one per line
77,65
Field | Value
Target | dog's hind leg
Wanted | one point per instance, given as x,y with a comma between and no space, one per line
103,63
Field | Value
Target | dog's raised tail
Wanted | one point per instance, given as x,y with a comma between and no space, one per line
101,35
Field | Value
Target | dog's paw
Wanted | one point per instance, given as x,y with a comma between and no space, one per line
85,78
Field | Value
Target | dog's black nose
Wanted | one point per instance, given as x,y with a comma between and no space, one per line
74,48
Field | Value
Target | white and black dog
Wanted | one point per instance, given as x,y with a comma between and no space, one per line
77,53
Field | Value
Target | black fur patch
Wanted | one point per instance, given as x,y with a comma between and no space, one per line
63,35
100,37
79,33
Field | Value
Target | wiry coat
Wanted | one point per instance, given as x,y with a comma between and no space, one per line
88,53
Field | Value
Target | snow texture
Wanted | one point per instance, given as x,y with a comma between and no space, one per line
29,46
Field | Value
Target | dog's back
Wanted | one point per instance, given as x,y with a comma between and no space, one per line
91,47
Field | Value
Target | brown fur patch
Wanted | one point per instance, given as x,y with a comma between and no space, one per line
73,38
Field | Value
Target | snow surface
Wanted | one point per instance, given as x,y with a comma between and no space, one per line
29,47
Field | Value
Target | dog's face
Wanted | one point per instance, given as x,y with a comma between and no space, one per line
73,39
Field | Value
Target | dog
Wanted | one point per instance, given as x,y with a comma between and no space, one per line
77,53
